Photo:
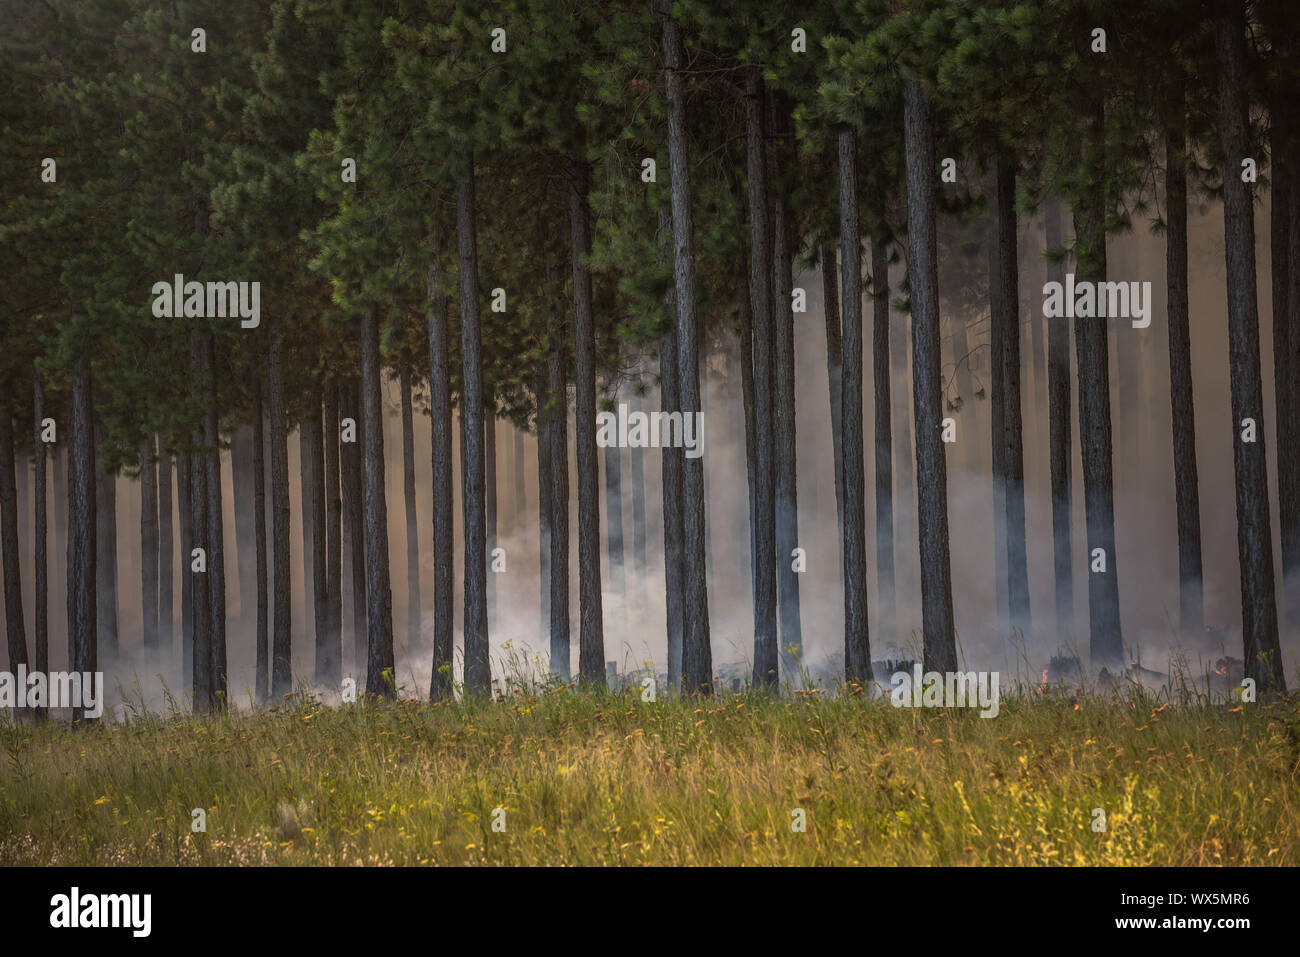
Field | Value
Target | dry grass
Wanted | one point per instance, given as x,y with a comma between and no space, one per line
589,778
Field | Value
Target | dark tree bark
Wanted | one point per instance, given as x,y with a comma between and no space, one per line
834,377
1191,601
281,581
857,653
885,613
106,546
1091,337
931,467
490,503
15,632
412,522
330,652
783,435
1254,533
1012,436
557,386
149,548
262,674
1059,435
478,672
83,653
444,540
1285,242
381,678
766,667
216,534
697,652
354,523
166,554
201,591
670,460
41,613
591,638
185,511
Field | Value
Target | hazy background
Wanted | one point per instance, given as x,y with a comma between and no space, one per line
1146,537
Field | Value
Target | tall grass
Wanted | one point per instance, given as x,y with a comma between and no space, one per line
587,777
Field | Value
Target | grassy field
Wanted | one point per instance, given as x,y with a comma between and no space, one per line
588,778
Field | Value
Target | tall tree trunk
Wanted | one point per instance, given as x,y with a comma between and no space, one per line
311,463
783,435
637,456
766,668
354,523
83,653
412,522
241,480
745,334
1091,337
331,660
591,638
490,503
41,623
444,539
149,548
262,672
557,386
1254,533
697,652
185,511
166,554
1191,601
201,591
962,376
885,613
905,499
59,505
106,545
381,678
614,525
520,503
834,378
216,535
15,631
1058,437
670,459
478,671
1285,235
931,467
543,503
998,408
1012,437
1037,363
857,651
281,581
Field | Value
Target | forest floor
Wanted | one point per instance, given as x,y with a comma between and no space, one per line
586,778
